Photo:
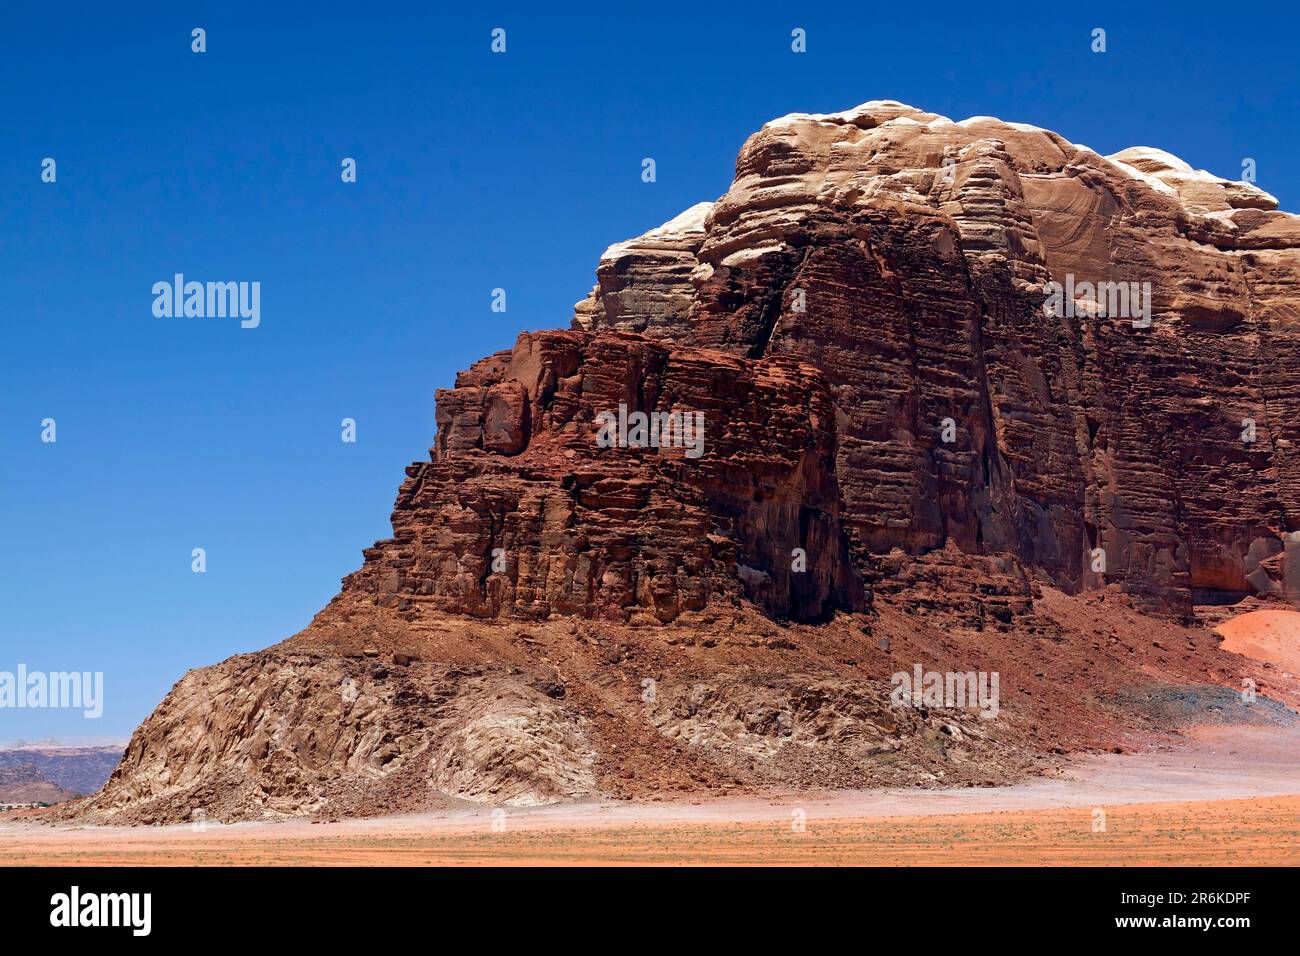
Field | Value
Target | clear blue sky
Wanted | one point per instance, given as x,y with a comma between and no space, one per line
474,171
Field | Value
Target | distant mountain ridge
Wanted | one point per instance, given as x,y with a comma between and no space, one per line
76,770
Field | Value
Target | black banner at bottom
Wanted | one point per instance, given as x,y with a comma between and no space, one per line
343,904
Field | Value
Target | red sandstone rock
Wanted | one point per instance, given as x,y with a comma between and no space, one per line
906,257
906,460
521,514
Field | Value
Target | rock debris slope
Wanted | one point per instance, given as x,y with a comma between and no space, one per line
911,454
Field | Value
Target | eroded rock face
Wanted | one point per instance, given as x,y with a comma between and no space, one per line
523,513
907,258
267,735
864,319
644,284
932,430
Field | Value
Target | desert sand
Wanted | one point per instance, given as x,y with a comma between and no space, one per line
1265,635
1222,796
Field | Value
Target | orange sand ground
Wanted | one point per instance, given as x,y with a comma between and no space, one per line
1267,635
1260,831
1219,795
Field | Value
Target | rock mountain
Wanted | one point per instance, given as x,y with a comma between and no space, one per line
911,454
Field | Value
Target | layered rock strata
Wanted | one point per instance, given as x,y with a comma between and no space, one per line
913,392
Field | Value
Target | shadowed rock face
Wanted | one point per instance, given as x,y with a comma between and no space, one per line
930,429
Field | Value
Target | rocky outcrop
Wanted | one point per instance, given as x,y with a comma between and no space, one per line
644,284
866,322
523,512
908,258
270,734
913,391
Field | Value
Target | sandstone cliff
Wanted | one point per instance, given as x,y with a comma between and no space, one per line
907,257
971,396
